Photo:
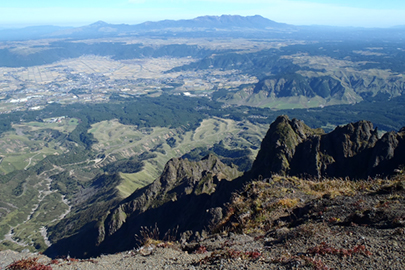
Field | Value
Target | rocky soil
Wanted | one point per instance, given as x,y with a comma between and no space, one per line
333,224
340,248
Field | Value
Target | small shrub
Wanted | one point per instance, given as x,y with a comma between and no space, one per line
287,203
317,264
334,220
201,250
148,235
324,248
28,264
151,237
230,254
54,261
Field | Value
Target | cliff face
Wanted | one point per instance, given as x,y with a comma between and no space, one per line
182,196
280,145
180,178
191,195
292,148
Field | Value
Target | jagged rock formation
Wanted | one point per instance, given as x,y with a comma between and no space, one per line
181,196
179,178
191,195
292,148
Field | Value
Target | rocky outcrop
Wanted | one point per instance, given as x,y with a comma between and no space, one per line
179,178
191,195
279,146
354,150
182,196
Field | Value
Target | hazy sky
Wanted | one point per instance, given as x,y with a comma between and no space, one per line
365,13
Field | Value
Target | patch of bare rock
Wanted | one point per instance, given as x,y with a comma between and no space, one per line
338,247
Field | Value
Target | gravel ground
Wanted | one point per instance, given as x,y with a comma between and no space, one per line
284,249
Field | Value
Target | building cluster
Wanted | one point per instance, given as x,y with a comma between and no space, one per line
83,87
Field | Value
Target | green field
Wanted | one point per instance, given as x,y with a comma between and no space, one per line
118,141
31,142
25,199
28,203
27,212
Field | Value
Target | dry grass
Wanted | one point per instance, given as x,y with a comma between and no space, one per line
151,237
287,202
261,205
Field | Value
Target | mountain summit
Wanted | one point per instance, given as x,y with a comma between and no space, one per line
216,22
354,150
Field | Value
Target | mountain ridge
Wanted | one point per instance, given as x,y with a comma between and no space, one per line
202,23
183,185
220,25
220,22
191,196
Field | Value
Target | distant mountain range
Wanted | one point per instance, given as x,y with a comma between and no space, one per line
216,22
204,26
204,23
100,28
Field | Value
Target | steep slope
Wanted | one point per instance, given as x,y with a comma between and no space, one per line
181,196
326,89
279,146
318,90
191,195
296,84
292,148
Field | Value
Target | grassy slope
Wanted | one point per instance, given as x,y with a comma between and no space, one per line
28,212
119,141
38,206
20,149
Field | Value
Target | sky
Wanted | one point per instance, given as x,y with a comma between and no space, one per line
357,13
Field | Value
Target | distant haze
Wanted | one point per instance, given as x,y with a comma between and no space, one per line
360,13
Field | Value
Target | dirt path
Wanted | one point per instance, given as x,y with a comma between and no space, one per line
9,237
30,160
42,194
44,234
